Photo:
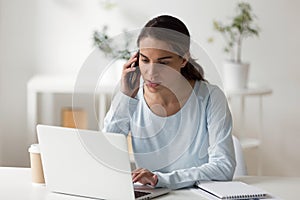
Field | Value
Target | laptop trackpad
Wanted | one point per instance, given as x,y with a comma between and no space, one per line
150,189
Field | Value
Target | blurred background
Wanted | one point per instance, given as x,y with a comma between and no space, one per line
54,37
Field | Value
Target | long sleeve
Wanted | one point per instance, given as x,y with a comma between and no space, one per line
117,120
221,158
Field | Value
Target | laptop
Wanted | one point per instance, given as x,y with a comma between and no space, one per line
90,164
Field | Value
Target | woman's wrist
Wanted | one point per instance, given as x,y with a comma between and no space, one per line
155,177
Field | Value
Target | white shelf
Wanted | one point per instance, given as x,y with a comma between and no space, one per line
63,84
251,90
250,143
256,91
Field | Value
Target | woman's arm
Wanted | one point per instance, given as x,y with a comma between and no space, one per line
117,120
123,104
221,162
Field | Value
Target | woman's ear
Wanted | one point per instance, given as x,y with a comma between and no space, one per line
185,59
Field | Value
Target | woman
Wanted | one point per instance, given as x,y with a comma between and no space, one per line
180,124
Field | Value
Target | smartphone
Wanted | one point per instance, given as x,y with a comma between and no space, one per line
133,76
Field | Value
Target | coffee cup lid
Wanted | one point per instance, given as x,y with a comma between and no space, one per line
34,148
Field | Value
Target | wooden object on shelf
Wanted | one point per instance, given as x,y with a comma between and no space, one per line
129,142
74,118
130,151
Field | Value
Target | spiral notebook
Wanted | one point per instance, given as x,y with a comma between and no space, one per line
232,190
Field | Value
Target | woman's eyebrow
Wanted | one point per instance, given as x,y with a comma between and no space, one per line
165,57
143,55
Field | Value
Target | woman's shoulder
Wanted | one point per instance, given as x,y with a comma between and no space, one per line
205,89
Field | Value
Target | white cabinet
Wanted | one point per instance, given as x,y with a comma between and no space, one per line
59,84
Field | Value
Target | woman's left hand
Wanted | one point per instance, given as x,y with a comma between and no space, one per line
144,177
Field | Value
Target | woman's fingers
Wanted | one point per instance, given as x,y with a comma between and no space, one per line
127,70
130,86
136,172
131,60
144,176
138,175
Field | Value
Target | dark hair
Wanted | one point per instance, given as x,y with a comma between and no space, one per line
174,31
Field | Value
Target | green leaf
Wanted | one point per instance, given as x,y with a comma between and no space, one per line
239,28
109,48
210,40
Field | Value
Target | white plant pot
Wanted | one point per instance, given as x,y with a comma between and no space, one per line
235,75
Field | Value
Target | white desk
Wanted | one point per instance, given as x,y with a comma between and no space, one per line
15,184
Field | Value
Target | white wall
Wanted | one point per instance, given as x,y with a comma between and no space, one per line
55,37
40,37
16,66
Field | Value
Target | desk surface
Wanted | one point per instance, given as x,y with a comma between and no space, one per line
15,184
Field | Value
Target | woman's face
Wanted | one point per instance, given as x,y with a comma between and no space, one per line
159,66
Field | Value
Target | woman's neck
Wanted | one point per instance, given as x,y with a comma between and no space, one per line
177,95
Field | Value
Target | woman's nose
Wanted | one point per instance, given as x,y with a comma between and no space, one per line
152,69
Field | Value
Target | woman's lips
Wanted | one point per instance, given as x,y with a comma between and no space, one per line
152,84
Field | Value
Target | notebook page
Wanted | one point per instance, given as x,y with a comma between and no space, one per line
205,195
231,190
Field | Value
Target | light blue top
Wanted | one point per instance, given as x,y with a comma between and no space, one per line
194,144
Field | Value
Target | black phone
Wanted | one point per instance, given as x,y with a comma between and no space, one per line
133,76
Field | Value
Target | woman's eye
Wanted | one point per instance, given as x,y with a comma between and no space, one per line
163,63
145,61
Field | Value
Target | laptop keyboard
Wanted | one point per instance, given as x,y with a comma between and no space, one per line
138,194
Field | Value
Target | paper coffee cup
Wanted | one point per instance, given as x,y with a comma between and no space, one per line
37,173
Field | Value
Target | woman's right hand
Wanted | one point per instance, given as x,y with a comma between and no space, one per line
127,70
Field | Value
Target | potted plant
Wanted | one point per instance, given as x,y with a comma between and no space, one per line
235,71
117,49
108,45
